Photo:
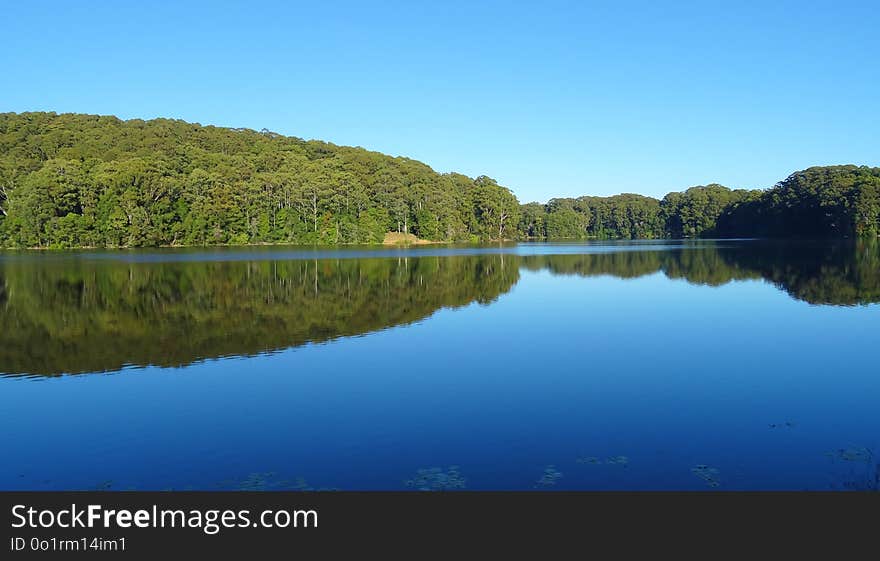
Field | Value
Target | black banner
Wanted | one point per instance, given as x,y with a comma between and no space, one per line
116,524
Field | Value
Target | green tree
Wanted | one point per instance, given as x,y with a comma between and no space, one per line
496,209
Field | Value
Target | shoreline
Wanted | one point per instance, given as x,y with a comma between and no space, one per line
422,242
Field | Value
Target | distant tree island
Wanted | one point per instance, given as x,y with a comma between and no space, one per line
72,180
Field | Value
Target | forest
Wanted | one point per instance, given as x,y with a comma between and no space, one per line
74,180
84,180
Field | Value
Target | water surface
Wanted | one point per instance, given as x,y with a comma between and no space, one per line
736,364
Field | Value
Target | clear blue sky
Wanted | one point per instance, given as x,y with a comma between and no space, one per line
549,98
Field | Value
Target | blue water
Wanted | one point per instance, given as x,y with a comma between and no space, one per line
618,379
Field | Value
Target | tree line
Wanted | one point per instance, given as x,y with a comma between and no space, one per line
72,180
830,201
83,180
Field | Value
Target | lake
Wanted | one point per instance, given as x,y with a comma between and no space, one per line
663,365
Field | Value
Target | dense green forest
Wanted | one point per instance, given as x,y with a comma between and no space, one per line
72,315
832,201
75,180
84,180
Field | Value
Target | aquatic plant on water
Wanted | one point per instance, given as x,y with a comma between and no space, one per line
549,478
864,473
611,461
269,481
437,479
709,474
